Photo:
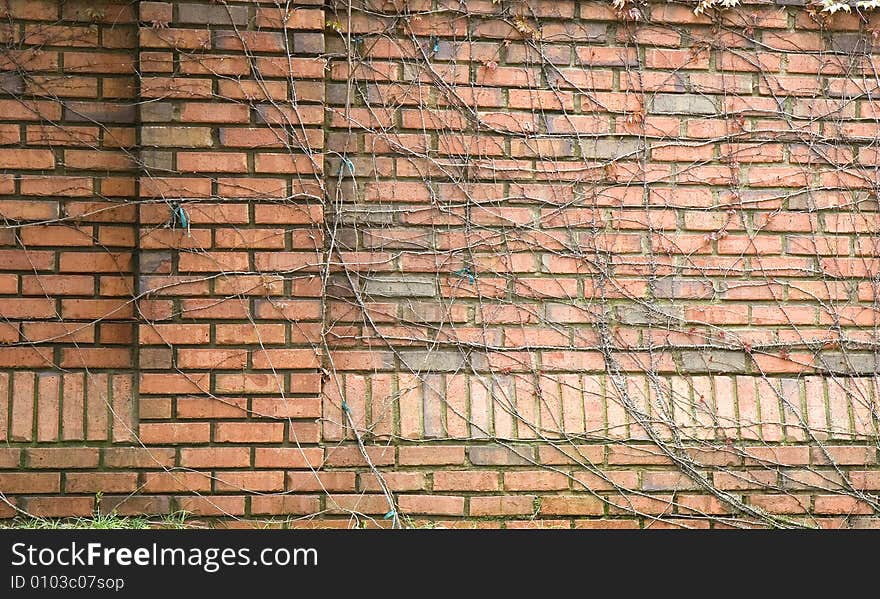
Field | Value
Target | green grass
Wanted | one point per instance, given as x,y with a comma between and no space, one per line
100,522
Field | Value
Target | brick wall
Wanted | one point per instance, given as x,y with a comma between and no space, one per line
69,160
492,264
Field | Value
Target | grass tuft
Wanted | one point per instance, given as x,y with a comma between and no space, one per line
99,521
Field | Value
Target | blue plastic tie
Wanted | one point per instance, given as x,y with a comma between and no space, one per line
178,215
467,273
349,165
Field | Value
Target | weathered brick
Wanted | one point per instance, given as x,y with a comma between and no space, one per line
683,104
212,15
615,149
95,112
504,505
428,456
713,361
400,287
562,505
185,137
489,455
432,361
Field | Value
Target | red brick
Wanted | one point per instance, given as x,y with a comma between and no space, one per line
639,454
655,505
394,481
57,507
430,456
607,524
103,482
466,480
288,457
27,159
248,432
215,457
174,433
567,454
439,505
504,505
564,505
213,505
61,457
255,481
781,504
536,480
785,456
138,457
837,504
284,504
30,482
310,481
348,456
211,162
357,504
175,481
